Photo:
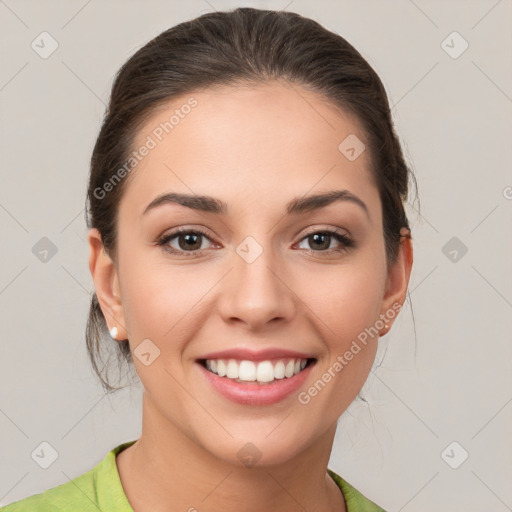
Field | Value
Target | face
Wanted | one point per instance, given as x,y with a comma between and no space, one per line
259,275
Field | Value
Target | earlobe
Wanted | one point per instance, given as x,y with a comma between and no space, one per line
397,280
106,284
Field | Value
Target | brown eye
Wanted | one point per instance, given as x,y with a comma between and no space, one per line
189,241
320,241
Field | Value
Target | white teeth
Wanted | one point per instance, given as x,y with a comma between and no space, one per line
262,371
232,369
265,372
247,371
221,368
279,370
288,372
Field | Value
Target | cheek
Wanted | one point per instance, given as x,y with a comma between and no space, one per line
347,298
159,298
346,304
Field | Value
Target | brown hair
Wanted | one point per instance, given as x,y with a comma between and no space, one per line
221,48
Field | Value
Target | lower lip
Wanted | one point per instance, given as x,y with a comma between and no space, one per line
252,393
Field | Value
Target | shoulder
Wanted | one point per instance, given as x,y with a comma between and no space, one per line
100,488
356,502
58,499
36,502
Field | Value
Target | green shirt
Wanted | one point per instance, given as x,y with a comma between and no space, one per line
100,489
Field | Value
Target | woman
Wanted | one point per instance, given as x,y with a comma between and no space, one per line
248,246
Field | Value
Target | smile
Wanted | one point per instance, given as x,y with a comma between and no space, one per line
261,372
266,382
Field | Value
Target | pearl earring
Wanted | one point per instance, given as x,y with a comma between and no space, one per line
113,332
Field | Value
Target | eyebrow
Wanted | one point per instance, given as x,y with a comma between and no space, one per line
296,206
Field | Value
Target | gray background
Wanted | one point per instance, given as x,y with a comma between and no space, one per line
453,117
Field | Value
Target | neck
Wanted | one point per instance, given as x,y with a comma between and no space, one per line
166,468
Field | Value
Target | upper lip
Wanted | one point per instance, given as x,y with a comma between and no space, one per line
255,355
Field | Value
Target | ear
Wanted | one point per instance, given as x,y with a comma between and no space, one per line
397,280
106,282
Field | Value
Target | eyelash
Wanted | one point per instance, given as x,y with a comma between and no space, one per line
347,243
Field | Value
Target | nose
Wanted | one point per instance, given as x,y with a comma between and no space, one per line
257,293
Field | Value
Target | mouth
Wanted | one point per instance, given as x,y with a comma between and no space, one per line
260,373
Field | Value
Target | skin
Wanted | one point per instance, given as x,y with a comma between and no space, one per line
255,148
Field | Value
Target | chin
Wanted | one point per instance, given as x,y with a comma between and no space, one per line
260,450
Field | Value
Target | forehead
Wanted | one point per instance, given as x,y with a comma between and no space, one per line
252,144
